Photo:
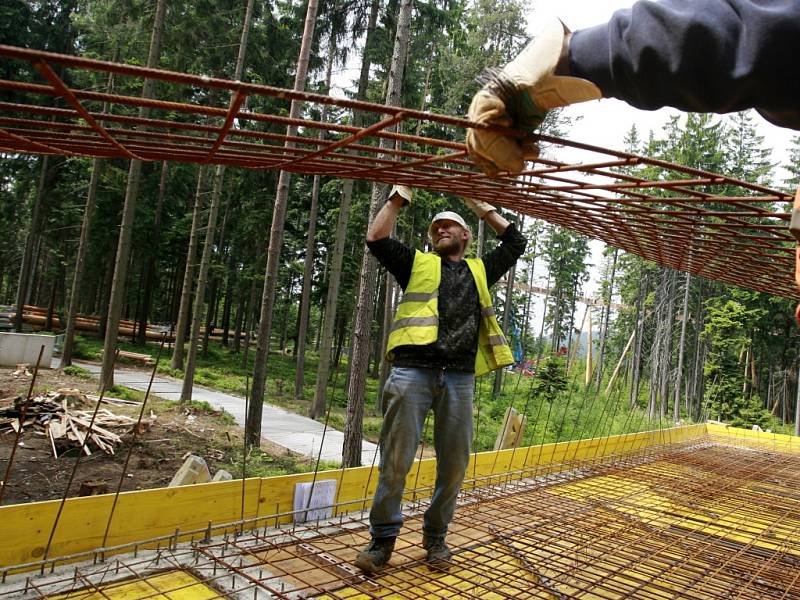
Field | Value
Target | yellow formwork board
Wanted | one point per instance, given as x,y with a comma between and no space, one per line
760,439
172,585
148,514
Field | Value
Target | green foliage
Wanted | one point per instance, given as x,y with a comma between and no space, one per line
260,464
451,44
79,372
727,330
551,379
566,253
125,393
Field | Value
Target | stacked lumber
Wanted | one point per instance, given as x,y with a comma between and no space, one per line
52,415
36,317
145,359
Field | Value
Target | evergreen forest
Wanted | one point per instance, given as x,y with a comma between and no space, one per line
264,279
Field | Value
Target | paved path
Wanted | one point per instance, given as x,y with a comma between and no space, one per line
295,432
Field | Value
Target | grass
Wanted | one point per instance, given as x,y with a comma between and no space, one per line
260,464
78,372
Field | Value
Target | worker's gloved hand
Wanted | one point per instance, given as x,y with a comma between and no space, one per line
519,96
480,208
403,191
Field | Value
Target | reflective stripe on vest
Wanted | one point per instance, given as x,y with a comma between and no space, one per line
417,319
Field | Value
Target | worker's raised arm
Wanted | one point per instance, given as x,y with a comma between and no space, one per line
381,227
488,214
694,55
699,55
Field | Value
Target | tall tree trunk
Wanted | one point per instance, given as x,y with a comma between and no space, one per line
83,245
607,314
253,428
128,212
169,311
676,408
665,363
26,269
637,353
213,293
351,452
239,321
105,292
188,273
51,305
329,320
250,316
227,305
287,303
150,273
305,294
308,267
80,260
199,295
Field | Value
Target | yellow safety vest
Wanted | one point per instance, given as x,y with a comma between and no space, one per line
416,322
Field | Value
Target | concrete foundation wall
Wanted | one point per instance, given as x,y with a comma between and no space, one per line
16,348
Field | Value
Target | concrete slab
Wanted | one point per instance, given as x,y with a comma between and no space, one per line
295,432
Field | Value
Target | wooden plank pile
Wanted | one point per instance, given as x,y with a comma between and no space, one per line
52,415
145,359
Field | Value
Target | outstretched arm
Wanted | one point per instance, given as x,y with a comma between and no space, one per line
381,227
694,55
497,222
697,55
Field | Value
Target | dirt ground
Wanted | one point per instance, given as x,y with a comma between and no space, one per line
171,432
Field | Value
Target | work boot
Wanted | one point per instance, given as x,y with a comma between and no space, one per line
375,555
439,556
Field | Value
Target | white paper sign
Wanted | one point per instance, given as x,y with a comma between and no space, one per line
321,504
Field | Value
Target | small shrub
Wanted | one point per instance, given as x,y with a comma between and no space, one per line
79,372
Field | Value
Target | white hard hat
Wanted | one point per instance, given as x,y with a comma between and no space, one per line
447,215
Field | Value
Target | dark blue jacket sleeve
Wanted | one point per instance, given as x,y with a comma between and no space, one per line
698,56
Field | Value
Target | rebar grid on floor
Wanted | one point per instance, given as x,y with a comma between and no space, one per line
702,519
708,224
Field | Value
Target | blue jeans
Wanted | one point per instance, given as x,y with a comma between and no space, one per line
408,396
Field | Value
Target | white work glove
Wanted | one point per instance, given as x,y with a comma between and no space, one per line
403,191
480,208
519,96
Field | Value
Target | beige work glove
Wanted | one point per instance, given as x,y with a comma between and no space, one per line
519,96
403,191
480,208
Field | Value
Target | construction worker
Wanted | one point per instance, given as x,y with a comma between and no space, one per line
443,335
694,55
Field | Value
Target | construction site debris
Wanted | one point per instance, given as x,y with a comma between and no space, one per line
22,370
222,475
93,488
193,470
510,435
56,415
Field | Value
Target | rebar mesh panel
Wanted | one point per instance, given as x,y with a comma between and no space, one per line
704,518
705,223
